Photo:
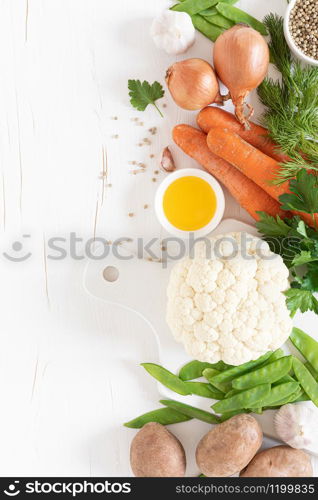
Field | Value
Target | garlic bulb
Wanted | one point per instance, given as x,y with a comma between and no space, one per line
296,425
173,32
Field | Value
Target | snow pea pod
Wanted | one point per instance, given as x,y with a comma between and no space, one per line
204,390
192,7
212,10
164,416
167,378
239,16
306,380
306,345
280,392
230,414
245,399
279,353
283,380
266,374
312,370
219,20
191,411
235,371
207,29
221,386
194,370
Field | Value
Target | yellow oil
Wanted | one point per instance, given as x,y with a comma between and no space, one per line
189,203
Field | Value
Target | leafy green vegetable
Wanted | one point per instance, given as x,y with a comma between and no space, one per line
304,196
272,226
303,300
291,105
142,94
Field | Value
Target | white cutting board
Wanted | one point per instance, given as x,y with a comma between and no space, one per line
141,288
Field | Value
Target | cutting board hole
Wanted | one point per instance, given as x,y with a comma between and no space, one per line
110,274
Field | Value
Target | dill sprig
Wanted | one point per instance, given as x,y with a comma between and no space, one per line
291,105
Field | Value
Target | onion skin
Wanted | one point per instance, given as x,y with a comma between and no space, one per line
193,84
241,59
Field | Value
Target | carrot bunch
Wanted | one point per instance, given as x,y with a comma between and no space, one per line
245,161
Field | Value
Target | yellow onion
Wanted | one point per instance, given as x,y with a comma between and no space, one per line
241,59
193,84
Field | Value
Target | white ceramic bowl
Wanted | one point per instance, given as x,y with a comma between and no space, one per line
220,203
293,47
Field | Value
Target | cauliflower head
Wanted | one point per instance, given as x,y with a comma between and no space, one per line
227,302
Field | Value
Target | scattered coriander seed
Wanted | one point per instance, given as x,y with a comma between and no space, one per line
154,179
115,136
156,172
146,206
151,156
109,185
114,118
131,214
164,105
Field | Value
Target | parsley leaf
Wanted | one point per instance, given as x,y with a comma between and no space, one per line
310,280
142,94
304,258
271,226
304,196
301,299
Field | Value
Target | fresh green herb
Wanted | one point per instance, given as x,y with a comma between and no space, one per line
142,94
239,16
304,194
303,300
296,242
291,105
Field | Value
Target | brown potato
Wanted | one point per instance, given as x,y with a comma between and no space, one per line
280,461
229,446
156,452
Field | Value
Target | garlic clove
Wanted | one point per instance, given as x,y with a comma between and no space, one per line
296,425
167,161
173,32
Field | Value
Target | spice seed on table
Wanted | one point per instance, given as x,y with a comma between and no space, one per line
303,26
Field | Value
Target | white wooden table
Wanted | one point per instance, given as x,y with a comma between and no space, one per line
69,372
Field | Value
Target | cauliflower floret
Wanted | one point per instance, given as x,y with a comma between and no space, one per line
229,305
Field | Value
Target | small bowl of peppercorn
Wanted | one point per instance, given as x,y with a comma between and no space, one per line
301,29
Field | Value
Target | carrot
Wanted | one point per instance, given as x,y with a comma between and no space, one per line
257,166
213,117
246,192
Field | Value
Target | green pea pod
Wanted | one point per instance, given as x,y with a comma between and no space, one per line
207,29
306,345
302,397
279,353
220,21
239,16
245,399
257,411
231,393
192,7
210,375
204,390
235,371
164,416
284,380
312,370
194,370
230,414
167,378
280,392
266,374
191,411
212,10
306,380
